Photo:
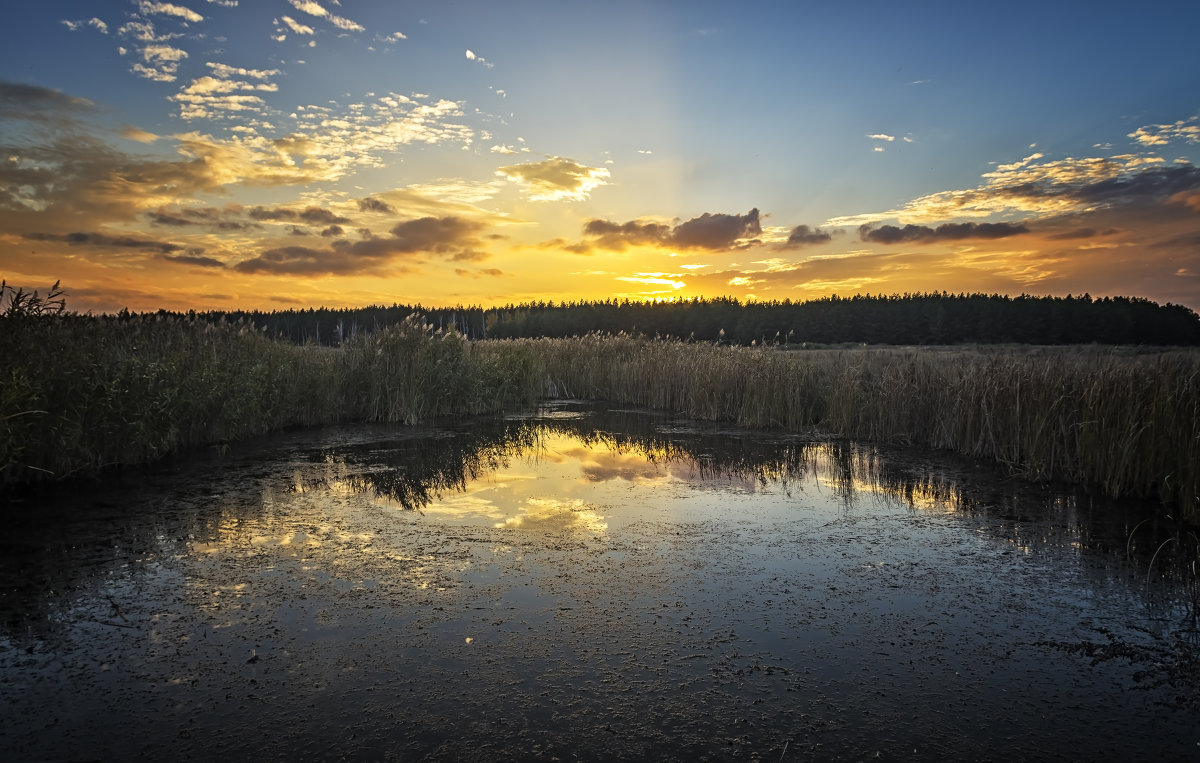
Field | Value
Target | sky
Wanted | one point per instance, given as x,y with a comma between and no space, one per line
277,154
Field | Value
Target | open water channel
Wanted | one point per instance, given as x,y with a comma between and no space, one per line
588,584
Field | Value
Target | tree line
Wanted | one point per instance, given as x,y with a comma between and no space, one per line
900,319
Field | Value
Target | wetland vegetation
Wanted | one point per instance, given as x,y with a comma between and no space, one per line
81,393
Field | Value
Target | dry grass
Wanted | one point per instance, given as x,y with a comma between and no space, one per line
79,393
1127,424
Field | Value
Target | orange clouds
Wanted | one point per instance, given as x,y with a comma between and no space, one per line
1190,198
890,234
710,231
555,178
450,238
1047,188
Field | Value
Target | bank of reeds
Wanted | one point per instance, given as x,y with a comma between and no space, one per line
1124,423
78,393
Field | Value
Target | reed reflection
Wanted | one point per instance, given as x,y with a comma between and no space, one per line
494,471
564,472
417,474
478,472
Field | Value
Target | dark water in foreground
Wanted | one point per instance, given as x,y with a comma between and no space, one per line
589,585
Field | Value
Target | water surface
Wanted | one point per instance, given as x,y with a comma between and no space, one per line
588,584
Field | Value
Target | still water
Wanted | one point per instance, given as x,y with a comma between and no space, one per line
589,584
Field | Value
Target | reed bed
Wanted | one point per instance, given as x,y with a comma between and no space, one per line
79,393
1125,424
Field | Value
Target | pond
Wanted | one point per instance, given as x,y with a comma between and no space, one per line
583,583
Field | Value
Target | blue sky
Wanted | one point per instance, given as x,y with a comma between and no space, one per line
276,153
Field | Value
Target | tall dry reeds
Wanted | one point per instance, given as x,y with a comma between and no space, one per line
79,393
750,386
410,373
1127,424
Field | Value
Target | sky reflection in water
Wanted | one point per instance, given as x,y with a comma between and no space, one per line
561,481
576,569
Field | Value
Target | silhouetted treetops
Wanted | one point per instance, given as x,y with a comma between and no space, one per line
935,318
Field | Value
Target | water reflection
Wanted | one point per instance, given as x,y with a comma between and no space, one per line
414,472
547,565
588,470
563,470
460,471
550,514
419,475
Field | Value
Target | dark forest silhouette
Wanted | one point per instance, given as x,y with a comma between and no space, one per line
906,319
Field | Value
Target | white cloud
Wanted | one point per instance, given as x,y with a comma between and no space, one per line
320,143
169,9
1161,135
93,22
161,62
144,31
221,95
156,74
226,3
210,85
297,27
882,136
346,24
163,53
1015,165
471,56
316,9
309,7
208,104
225,71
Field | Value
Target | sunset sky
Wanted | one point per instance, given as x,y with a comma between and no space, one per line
221,154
